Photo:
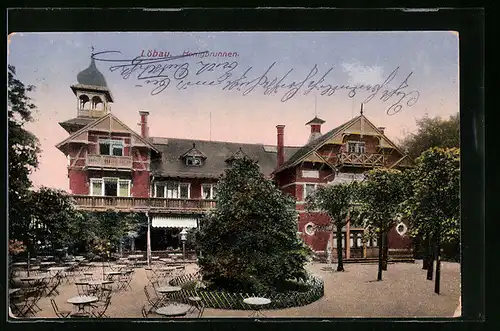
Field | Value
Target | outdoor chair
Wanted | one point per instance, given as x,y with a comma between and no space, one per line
28,305
197,304
144,311
100,308
59,313
154,301
53,285
104,294
82,288
124,280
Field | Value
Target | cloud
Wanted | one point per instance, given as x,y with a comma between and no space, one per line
360,74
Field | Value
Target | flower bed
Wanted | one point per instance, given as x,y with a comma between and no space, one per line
231,300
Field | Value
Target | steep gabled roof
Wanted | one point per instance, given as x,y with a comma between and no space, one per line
314,145
95,123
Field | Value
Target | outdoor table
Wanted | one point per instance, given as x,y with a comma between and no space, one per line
173,310
256,303
110,274
166,269
20,264
166,290
13,290
82,301
95,284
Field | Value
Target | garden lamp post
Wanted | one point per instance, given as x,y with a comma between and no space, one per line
183,239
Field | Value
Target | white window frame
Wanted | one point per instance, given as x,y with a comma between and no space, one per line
103,180
165,184
304,194
203,186
357,150
310,173
112,143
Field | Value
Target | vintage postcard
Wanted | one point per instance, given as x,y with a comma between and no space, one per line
162,175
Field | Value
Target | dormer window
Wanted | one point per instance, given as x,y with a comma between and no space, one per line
236,156
356,147
194,157
193,161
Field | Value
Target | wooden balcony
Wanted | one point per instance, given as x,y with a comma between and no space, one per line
87,202
109,161
360,159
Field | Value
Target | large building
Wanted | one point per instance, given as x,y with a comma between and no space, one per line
110,166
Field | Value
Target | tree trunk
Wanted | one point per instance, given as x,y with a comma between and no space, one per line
430,265
426,255
340,258
438,265
386,252
380,255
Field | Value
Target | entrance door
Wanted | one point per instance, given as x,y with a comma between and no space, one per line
110,188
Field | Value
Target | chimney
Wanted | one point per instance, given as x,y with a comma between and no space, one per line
144,123
381,129
315,124
280,145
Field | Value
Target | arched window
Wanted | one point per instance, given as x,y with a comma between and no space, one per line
84,102
97,103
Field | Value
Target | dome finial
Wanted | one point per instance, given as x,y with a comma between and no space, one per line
91,75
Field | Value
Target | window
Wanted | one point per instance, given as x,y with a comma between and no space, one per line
108,186
309,189
356,147
309,229
401,229
111,147
172,190
184,191
193,161
159,191
208,191
310,173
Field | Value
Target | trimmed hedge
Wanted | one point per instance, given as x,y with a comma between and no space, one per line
230,300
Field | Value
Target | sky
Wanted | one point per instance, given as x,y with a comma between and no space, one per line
408,75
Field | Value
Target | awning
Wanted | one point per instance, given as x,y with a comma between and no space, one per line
173,222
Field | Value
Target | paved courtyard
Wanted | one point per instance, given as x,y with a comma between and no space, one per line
404,292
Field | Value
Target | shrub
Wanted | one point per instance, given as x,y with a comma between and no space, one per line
249,242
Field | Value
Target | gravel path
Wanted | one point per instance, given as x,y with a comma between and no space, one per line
404,292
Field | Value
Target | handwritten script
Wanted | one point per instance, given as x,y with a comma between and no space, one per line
187,72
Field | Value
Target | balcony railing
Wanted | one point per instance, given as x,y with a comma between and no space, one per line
361,159
88,202
109,161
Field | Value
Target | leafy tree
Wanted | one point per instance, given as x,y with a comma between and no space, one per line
337,202
249,242
380,197
433,132
434,206
23,152
111,226
55,220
